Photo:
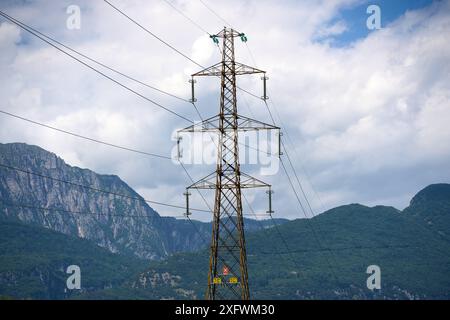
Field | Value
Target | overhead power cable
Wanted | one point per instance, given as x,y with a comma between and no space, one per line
147,30
316,236
297,178
96,189
151,33
275,225
299,201
215,13
186,16
29,30
182,54
29,206
106,66
343,249
248,203
85,137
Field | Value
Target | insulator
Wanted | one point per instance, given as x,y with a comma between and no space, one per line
264,79
280,153
179,151
187,194
192,82
270,192
214,39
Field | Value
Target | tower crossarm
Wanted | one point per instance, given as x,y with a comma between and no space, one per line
216,70
213,124
246,181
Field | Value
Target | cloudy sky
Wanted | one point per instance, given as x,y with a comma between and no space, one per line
365,113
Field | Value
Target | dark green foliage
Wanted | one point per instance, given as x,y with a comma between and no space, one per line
327,258
329,254
432,206
33,261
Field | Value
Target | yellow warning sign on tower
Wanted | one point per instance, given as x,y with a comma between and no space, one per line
233,280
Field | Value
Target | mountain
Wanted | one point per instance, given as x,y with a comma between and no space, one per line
126,225
326,258
34,260
432,206
328,255
127,251
116,223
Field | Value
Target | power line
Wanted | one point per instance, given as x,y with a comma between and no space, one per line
168,44
195,227
291,163
105,66
96,189
289,140
251,55
343,249
296,194
107,192
85,137
304,212
24,26
249,93
37,33
241,143
298,180
128,149
306,198
185,16
245,198
27,206
164,42
29,30
104,143
64,131
278,232
151,33
111,145
192,181
215,13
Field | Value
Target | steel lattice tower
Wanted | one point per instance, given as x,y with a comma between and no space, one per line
228,276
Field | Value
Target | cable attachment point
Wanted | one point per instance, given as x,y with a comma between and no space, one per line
270,192
192,99
264,79
179,150
214,39
280,153
187,194
243,37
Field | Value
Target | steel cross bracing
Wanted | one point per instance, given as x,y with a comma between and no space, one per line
227,276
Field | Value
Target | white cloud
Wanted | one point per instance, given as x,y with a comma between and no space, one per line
9,36
334,29
369,120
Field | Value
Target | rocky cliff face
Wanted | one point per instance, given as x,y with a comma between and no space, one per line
119,224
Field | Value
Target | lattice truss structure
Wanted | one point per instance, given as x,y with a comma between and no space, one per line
228,276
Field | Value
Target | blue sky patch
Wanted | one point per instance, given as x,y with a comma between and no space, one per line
355,18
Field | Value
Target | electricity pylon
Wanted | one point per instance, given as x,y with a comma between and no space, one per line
227,276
